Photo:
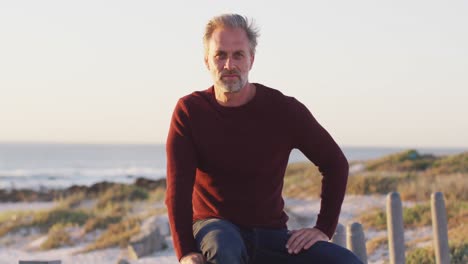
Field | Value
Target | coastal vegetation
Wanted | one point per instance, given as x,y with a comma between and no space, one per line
415,177
112,213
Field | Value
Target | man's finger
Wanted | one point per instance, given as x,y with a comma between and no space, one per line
294,235
317,236
308,236
298,243
311,243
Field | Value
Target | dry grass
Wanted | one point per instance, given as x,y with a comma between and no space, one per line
42,219
417,216
303,180
459,233
376,183
56,237
121,193
157,195
414,243
156,211
13,220
458,255
100,222
454,187
106,213
420,215
72,201
374,218
374,243
118,234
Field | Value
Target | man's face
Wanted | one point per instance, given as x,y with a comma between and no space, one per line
229,58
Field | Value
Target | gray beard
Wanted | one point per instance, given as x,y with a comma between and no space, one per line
231,87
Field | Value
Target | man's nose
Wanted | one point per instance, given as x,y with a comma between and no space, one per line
229,64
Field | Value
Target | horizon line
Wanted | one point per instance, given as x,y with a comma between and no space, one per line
123,143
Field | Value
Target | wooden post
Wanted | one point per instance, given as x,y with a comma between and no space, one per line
356,242
339,237
439,228
396,233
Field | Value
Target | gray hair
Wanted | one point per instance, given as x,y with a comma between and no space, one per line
232,21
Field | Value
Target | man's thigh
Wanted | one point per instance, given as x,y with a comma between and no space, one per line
271,248
219,239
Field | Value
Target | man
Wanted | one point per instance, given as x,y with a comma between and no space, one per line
227,152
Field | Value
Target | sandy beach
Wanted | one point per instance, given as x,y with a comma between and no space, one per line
306,210
25,206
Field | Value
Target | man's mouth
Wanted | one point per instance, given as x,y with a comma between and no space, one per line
230,76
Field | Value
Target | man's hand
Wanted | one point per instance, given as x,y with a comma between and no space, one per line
303,239
192,258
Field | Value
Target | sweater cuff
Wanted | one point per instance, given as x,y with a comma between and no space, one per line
327,230
185,248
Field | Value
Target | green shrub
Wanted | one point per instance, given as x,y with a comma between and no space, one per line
372,184
420,255
409,160
417,216
451,164
375,218
66,216
459,253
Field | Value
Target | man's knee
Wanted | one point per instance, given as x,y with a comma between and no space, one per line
225,249
220,242
328,252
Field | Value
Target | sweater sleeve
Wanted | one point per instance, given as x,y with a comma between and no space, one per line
181,169
320,148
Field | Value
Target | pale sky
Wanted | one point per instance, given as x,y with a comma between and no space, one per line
373,73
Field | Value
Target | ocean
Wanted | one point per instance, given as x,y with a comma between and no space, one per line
36,166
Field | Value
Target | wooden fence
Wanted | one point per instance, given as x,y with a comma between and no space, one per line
353,237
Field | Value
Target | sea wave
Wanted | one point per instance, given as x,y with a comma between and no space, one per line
53,178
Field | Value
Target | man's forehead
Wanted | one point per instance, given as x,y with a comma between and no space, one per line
235,35
228,38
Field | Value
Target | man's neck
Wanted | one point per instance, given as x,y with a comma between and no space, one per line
242,97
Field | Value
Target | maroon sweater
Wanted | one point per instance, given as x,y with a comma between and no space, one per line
229,162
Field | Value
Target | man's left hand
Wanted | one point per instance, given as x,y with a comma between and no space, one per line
303,239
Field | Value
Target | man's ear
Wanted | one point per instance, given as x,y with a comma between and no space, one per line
252,58
206,62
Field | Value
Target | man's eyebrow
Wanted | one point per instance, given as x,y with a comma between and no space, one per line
224,52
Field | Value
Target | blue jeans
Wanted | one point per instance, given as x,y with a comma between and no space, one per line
220,241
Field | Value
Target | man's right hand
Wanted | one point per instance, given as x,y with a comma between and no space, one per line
192,258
